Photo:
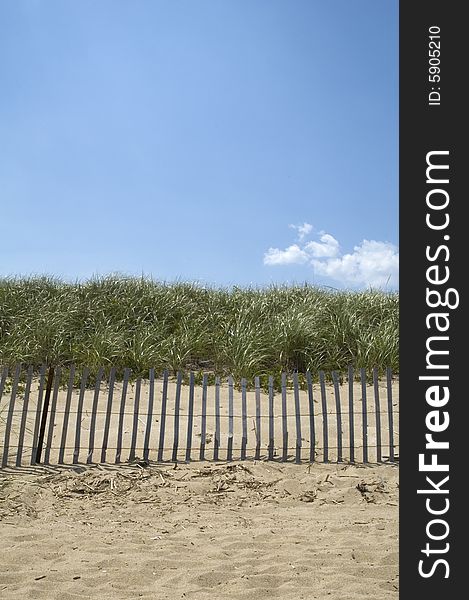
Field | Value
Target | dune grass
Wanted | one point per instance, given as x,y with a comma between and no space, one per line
140,323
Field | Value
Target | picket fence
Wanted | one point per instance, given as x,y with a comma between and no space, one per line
57,416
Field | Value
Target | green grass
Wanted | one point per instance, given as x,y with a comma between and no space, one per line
140,323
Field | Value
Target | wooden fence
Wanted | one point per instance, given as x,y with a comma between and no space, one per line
60,416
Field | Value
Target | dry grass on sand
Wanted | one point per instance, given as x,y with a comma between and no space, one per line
204,530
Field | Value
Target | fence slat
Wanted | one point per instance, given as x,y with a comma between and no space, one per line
177,408
296,391
133,441
151,400
164,401
244,419
94,410
271,418
190,417
27,391
3,379
364,415
312,429
68,400
338,410
120,428
37,420
284,417
229,451
107,422
257,385
379,457
390,414
11,408
203,425
325,428
45,409
216,445
81,398
53,408
351,423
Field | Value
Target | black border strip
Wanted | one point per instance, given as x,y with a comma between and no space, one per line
428,125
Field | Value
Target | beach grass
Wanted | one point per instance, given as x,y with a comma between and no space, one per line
141,323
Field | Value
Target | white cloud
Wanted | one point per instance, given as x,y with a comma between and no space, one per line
328,247
291,256
303,230
372,263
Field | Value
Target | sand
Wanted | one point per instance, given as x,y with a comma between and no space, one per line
201,530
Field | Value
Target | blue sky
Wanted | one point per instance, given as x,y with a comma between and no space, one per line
229,142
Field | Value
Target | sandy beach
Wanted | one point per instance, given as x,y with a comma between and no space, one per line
200,530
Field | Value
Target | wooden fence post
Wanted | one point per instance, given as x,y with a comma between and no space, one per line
177,408
284,417
94,411
364,415
133,442
120,429
53,409
377,416
351,408
107,423
24,414
37,420
390,414
11,407
68,401
312,429
203,428
244,424
81,398
42,427
271,419
325,429
151,399
216,445
257,386
164,400
190,417
296,391
229,452
338,412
